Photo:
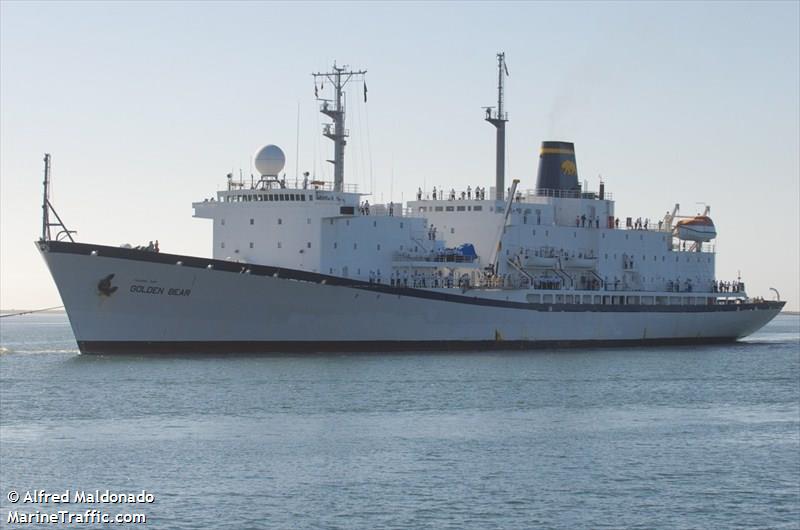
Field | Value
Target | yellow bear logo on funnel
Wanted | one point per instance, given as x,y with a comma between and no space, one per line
568,168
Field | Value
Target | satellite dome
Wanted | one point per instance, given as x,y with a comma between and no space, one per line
269,160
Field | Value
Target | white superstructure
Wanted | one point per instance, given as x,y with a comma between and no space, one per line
319,267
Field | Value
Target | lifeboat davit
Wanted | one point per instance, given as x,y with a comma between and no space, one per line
699,228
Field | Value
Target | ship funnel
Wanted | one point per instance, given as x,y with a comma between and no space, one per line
557,167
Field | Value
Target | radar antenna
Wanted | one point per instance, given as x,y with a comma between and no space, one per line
498,117
339,77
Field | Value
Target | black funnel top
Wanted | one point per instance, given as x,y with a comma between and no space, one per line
557,167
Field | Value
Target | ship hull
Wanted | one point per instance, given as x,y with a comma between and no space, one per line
129,301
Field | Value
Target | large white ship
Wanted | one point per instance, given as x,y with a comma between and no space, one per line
317,267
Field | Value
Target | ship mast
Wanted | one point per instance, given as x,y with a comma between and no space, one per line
47,207
338,77
498,117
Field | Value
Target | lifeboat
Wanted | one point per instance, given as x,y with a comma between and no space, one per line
579,263
699,228
539,262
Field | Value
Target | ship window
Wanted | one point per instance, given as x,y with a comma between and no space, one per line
222,222
663,258
302,198
252,221
626,236
335,245
280,221
449,209
422,209
308,245
452,230
279,245
308,220
469,208
547,232
477,208
270,197
525,219
460,209
574,234
534,232
282,197
251,244
401,224
222,245
439,208
606,256
355,246
379,246
375,224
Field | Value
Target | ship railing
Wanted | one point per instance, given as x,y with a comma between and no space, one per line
477,193
434,257
566,194
286,186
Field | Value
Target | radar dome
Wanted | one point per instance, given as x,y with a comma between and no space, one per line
269,160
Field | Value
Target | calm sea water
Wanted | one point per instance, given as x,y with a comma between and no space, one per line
679,437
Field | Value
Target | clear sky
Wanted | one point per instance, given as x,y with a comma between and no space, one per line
145,106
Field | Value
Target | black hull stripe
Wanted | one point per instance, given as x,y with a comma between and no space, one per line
65,247
377,347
